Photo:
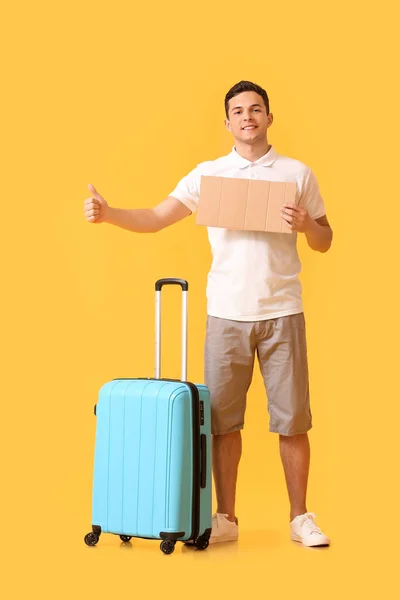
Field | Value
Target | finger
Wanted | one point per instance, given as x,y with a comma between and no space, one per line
92,219
293,207
94,192
92,215
288,223
92,204
90,200
292,226
93,212
287,211
287,218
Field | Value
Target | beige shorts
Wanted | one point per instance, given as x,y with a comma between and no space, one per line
280,346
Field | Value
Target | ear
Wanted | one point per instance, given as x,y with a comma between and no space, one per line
228,124
270,119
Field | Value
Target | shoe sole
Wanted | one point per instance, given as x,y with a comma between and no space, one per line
228,538
296,538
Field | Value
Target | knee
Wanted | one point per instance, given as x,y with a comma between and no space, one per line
221,437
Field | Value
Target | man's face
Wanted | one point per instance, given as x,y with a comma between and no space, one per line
248,120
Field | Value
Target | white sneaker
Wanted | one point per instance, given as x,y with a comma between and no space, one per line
223,530
304,529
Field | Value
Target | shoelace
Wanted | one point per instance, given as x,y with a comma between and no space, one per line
310,524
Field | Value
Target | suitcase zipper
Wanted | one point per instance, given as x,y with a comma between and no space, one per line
196,459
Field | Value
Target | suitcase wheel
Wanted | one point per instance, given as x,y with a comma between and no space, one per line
167,546
201,543
125,538
91,539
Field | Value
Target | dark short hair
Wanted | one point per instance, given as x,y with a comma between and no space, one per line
245,86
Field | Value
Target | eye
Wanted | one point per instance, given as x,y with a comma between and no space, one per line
256,110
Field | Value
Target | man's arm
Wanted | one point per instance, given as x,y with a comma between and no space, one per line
141,220
148,220
318,232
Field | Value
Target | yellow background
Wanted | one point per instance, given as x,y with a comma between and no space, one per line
130,98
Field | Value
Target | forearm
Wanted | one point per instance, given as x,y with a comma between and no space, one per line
319,237
137,220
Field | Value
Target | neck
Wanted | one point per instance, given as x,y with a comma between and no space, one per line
252,152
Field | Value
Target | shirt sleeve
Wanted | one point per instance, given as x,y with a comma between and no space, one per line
311,198
188,190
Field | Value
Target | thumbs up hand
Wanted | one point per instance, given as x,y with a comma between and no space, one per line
95,207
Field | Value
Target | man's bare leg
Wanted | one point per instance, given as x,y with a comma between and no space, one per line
226,453
295,455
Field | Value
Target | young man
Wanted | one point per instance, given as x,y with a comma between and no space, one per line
254,307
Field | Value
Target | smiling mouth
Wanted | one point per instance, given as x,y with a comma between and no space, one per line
249,127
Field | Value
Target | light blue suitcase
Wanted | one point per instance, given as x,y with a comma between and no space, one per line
152,465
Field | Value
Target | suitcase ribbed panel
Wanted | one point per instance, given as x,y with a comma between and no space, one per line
143,460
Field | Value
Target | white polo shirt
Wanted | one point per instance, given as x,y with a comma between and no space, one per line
254,275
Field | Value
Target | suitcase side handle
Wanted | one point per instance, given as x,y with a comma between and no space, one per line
203,472
185,286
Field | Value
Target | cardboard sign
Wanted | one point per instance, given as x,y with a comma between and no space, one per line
246,204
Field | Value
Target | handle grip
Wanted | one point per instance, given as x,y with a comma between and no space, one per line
172,281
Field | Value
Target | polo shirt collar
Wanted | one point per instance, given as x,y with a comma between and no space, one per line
265,161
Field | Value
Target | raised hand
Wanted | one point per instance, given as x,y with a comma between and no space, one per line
95,207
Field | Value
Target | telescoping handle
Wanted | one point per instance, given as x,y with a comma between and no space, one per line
185,286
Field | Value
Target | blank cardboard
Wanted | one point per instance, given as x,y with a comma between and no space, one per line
244,204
